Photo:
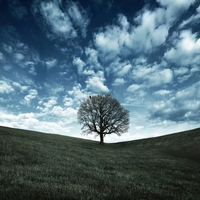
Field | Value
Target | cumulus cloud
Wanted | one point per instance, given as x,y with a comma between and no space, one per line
150,26
148,55
139,127
78,94
92,58
119,67
63,20
1,57
5,87
51,102
79,17
184,55
151,30
110,42
107,44
185,51
118,81
162,92
58,20
133,88
50,63
174,9
8,48
20,87
183,106
124,70
68,113
32,95
79,64
193,20
159,78
152,75
18,57
32,121
31,68
96,84
50,110
67,101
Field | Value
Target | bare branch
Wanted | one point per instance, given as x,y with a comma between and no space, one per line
103,114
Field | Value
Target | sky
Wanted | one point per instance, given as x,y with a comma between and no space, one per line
55,53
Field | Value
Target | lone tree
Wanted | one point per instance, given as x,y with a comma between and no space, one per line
103,114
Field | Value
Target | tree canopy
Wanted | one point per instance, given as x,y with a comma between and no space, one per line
102,114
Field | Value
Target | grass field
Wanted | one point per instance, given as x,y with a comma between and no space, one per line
36,165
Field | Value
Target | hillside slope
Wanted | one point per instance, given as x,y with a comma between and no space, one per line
45,166
183,144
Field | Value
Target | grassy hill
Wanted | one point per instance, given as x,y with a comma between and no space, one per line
36,165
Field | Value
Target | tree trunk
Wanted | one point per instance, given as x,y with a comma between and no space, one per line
101,138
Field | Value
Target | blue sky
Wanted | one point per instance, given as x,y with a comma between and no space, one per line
54,54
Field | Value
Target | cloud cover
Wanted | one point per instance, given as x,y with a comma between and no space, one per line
148,59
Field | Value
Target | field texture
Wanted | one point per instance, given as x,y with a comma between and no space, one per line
36,165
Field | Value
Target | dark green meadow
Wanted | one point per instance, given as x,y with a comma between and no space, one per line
36,165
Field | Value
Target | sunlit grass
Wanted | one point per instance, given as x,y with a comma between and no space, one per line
45,166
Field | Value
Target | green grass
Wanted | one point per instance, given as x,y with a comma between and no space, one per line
36,165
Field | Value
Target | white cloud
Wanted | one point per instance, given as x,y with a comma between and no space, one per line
88,72
50,110
30,66
58,20
30,121
184,54
183,106
77,91
107,43
79,17
69,114
51,63
139,127
92,58
119,67
67,101
96,84
79,64
32,95
162,92
142,70
185,51
1,57
54,87
118,81
7,48
5,87
22,88
110,42
51,102
181,71
152,75
77,94
64,20
133,88
124,70
159,78
7,67
174,9
194,19
123,22
151,30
